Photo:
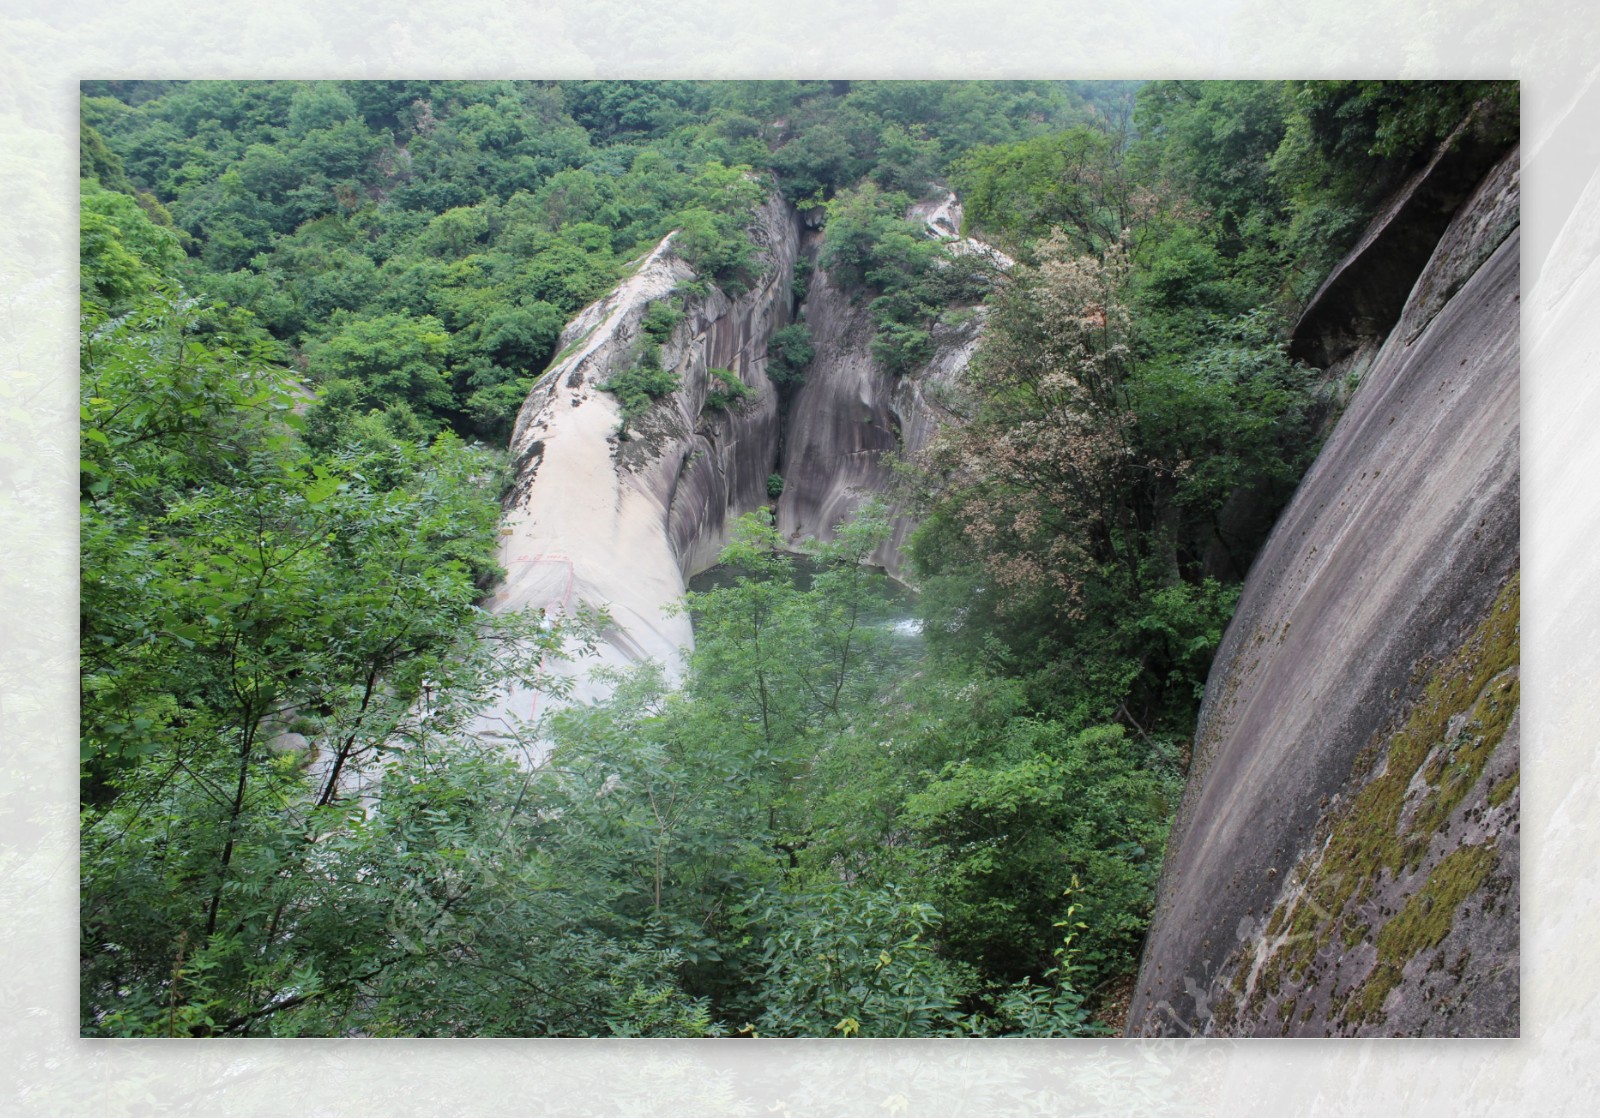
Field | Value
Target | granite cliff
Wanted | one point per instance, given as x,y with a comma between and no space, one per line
850,412
622,521
1345,861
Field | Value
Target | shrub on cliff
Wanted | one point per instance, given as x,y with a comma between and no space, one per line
789,352
659,320
641,385
727,391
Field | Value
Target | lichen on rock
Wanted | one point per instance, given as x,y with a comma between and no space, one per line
1360,725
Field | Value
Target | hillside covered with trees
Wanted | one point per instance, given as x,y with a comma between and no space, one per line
310,314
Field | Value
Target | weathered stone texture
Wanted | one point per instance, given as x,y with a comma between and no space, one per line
621,522
1345,860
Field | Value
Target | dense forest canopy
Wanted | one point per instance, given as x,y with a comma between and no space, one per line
450,229
311,311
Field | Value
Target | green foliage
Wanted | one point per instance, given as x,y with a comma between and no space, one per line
715,248
1347,144
462,201
800,282
641,384
789,352
899,348
1113,415
659,320
567,275
1053,1008
121,253
457,231
908,160
777,660
97,163
290,824
727,392
1291,171
867,242
1216,140
711,234
852,963
521,337
850,847
1073,181
494,407
216,549
1233,410
1366,134
902,135
236,585
694,807
1006,836
774,486
858,221
394,358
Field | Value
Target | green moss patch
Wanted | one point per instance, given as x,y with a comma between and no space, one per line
1505,787
1466,706
1426,920
571,348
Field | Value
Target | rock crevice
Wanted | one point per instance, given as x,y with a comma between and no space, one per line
850,414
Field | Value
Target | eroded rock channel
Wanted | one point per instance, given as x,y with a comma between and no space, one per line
623,522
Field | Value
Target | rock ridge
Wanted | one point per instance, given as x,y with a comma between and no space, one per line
598,519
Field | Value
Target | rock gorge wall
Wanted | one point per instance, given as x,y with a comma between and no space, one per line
1345,861
850,413
619,523
622,523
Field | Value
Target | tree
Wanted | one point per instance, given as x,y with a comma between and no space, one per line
868,242
1076,181
853,963
1041,473
393,358
1085,487
266,635
1006,836
789,352
121,253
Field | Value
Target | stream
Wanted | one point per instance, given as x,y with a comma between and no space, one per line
900,621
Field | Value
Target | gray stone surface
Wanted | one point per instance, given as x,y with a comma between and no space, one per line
1396,544
1366,292
850,413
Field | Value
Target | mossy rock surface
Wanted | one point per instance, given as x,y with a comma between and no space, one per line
1361,717
1405,890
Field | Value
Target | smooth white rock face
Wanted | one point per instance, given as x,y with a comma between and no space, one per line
621,525
618,525
579,530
